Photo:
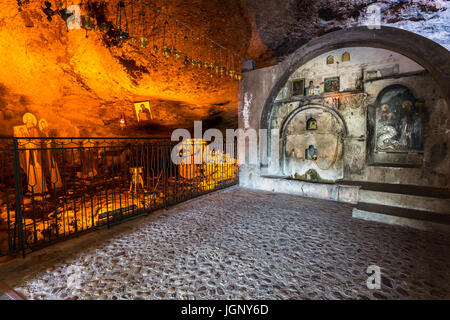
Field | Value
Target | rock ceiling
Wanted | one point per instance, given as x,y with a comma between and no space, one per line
82,86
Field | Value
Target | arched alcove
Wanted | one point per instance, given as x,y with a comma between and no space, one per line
326,140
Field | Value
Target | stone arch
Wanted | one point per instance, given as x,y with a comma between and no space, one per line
284,125
427,53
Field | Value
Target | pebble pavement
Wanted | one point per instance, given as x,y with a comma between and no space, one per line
245,244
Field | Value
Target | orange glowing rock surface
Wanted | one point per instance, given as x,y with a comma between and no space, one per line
81,86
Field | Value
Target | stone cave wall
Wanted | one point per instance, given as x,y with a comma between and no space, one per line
82,85
380,69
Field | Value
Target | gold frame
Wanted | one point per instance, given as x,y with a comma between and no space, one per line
303,88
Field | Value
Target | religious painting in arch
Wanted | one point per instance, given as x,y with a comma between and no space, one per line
398,120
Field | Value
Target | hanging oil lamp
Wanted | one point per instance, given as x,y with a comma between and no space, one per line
222,71
105,27
143,40
167,51
19,5
121,33
87,23
238,77
49,12
177,54
231,74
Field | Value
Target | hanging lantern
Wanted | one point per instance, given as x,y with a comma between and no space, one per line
122,33
167,52
238,77
222,71
87,23
104,27
177,54
231,74
143,42
48,10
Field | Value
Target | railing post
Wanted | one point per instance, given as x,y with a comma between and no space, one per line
19,193
165,172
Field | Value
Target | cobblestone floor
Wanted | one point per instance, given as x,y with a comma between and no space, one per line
243,244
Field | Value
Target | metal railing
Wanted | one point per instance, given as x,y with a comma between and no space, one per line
54,188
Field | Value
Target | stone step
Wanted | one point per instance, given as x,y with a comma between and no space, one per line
407,201
421,198
401,189
417,219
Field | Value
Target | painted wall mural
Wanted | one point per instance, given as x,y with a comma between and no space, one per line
398,123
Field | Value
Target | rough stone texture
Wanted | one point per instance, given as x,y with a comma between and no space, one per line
280,27
83,85
242,244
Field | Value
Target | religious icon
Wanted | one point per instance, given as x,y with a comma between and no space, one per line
384,113
331,84
137,182
330,60
312,90
143,111
311,124
30,158
51,167
311,153
298,87
346,57
398,123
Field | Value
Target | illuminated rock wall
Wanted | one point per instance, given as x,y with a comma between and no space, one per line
83,85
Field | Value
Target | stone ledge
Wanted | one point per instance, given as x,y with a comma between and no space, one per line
335,192
401,221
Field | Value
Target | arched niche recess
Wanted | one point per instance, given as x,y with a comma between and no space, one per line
298,141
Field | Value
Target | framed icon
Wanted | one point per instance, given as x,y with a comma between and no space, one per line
332,84
298,87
